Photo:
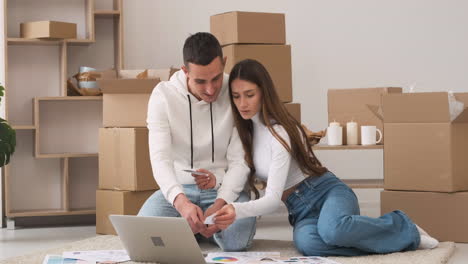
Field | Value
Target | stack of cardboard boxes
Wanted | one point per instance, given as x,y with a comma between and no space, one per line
426,162
125,175
259,36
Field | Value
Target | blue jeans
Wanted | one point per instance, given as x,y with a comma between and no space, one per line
325,215
237,237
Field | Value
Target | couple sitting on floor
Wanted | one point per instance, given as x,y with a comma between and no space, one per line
235,129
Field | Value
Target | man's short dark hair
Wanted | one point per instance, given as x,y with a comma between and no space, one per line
201,48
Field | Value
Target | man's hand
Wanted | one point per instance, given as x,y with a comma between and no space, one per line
192,213
207,181
225,217
209,231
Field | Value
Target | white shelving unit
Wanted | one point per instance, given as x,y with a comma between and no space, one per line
54,171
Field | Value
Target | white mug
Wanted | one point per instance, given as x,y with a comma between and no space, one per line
335,135
368,135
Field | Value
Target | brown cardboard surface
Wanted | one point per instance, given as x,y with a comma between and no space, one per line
424,150
275,58
162,74
124,162
442,215
48,30
116,202
125,101
248,27
362,105
295,110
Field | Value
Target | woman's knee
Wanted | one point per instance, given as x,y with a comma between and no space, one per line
310,246
335,232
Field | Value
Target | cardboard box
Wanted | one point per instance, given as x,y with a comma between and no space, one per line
248,27
124,162
125,101
162,74
275,58
442,215
295,110
48,30
362,105
116,202
424,150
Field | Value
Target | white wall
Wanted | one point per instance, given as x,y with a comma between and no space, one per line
335,44
2,81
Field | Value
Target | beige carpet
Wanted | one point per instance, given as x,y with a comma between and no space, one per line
435,256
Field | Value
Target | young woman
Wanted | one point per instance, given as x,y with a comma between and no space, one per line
322,209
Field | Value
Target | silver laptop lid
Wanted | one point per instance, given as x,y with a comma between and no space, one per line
166,240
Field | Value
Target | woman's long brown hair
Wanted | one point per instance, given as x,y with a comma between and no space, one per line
272,110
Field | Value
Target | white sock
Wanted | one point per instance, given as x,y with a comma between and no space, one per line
427,242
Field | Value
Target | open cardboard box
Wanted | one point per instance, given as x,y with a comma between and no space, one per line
424,149
361,105
125,101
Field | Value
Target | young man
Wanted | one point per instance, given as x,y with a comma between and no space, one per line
191,126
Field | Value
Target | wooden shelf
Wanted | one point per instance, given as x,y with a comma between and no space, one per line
51,212
70,98
364,184
66,155
345,147
106,13
23,127
45,42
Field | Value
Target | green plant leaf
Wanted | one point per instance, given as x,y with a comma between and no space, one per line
7,142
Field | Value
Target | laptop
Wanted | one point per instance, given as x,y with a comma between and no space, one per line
158,239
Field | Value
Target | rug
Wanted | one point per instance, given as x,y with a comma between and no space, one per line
439,255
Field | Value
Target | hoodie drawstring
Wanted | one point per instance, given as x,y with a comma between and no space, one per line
191,132
212,136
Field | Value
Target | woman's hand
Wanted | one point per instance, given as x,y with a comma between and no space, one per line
225,216
207,181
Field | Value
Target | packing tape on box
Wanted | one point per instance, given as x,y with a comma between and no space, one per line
116,167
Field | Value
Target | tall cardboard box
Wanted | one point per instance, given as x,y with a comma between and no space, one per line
125,101
443,215
275,58
295,110
124,162
424,149
116,202
248,27
48,30
362,105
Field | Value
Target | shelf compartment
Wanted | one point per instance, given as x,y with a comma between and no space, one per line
31,184
107,13
67,126
83,182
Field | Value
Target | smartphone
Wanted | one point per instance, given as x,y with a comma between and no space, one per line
196,172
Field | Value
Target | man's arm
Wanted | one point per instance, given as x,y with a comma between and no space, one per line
160,140
236,175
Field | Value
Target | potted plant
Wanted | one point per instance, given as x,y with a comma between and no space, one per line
7,137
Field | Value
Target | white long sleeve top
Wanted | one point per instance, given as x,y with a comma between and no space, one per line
273,164
185,133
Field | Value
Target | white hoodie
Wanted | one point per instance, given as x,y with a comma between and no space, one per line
180,130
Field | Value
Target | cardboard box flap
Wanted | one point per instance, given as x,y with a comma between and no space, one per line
128,86
376,110
416,108
462,97
463,117
338,99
